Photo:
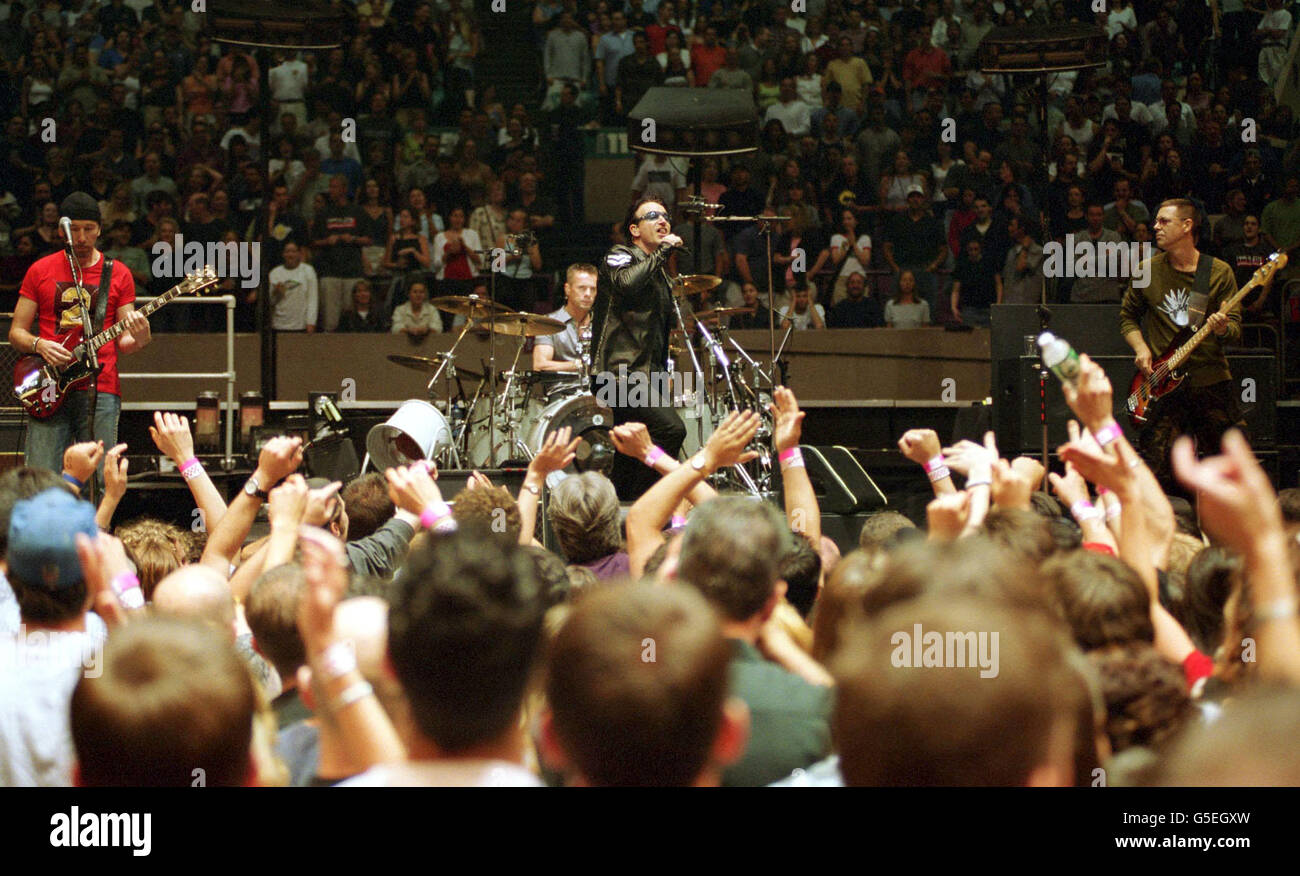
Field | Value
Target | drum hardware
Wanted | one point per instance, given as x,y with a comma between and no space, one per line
693,284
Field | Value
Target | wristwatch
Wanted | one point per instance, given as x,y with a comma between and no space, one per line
536,491
698,461
253,488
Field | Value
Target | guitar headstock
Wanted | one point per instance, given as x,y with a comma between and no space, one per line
198,282
1264,274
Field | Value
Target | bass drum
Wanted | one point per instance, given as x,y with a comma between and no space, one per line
589,421
480,448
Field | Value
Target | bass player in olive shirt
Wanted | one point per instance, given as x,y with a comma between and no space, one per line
1205,406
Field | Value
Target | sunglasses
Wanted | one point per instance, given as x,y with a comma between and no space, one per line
652,216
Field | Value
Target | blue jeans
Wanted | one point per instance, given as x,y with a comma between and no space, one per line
48,439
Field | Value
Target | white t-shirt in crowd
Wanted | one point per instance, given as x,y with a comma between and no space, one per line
659,181
851,263
296,309
802,320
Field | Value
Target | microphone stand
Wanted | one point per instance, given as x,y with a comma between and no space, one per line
92,358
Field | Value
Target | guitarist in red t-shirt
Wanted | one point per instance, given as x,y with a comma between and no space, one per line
49,294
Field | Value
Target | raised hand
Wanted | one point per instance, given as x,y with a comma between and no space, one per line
1236,500
115,468
632,439
970,459
287,504
947,514
556,452
1011,488
171,435
788,425
1069,487
919,445
726,446
279,458
81,459
1090,396
411,488
319,504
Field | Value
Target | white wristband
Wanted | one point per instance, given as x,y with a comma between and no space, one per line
338,659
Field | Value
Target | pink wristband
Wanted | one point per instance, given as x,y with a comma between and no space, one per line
1083,511
127,587
678,520
191,468
936,463
791,457
1108,434
653,454
434,514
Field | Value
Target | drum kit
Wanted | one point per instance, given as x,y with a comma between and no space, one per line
507,417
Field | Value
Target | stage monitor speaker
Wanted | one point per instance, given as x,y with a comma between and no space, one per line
1043,48
694,121
333,457
841,483
1255,377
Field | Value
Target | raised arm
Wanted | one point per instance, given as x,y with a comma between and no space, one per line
556,453
171,435
801,509
647,518
279,458
633,439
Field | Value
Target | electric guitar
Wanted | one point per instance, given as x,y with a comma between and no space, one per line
1147,390
42,388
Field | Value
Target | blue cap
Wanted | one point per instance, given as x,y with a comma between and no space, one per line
42,539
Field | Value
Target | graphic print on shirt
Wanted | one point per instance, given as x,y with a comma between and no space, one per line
1176,304
67,310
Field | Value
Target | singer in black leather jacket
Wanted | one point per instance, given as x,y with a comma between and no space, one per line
630,321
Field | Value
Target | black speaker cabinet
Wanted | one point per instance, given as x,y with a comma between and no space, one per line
1018,398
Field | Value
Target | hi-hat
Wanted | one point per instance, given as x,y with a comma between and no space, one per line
693,284
470,306
523,325
429,363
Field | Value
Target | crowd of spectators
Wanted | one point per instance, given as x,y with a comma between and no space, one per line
373,634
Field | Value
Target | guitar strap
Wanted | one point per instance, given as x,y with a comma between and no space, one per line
101,301
1200,298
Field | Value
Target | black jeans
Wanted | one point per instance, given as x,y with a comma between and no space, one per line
1202,412
632,477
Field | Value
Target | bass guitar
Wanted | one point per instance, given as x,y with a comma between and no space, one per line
1147,389
42,388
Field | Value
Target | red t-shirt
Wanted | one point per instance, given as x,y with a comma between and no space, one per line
58,314
705,62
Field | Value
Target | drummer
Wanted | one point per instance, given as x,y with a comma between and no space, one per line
569,352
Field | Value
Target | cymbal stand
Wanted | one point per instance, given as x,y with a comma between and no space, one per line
696,396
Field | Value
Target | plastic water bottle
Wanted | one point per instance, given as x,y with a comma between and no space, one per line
1059,357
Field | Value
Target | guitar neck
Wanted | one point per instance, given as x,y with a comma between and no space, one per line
113,332
1181,354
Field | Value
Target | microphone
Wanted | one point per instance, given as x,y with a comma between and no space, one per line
65,226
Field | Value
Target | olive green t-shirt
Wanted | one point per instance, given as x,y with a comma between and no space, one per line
1161,310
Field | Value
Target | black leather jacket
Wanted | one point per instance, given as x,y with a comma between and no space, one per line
633,310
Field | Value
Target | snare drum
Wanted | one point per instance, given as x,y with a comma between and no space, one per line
589,421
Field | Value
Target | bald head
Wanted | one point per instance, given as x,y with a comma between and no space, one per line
197,593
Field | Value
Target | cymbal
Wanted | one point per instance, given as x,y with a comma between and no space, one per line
524,325
693,284
719,312
471,306
429,363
